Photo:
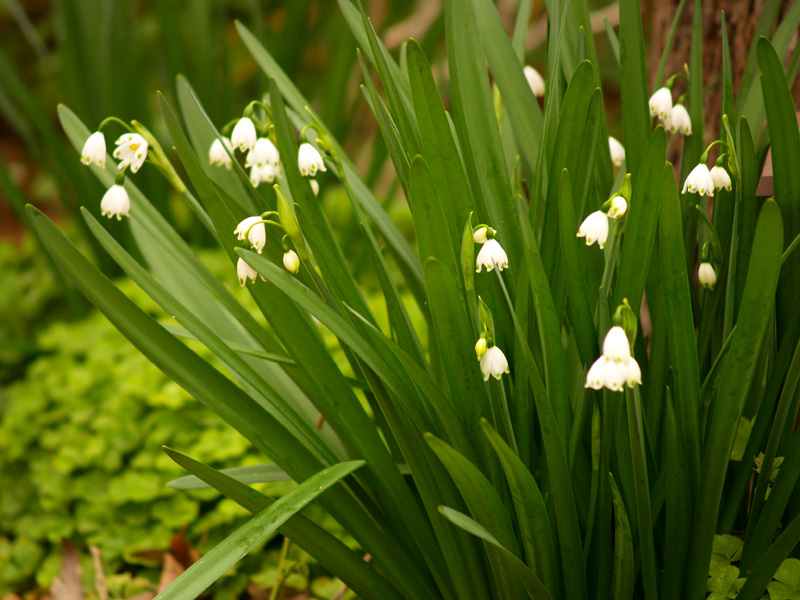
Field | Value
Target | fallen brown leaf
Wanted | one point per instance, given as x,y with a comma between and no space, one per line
68,585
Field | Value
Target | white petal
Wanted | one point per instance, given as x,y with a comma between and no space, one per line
309,160
244,134
491,255
493,363
661,103
291,261
634,374
618,207
617,151
595,229
245,272
115,203
616,346
535,80
595,377
706,275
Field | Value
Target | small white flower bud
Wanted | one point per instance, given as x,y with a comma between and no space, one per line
720,178
617,151
291,261
706,275
535,80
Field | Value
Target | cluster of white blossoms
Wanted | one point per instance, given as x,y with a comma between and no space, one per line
254,230
616,366
675,117
705,181
131,152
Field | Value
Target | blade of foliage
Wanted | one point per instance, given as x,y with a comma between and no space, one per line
785,142
315,540
533,585
642,222
531,512
487,508
662,64
197,578
582,317
762,281
633,84
624,565
680,324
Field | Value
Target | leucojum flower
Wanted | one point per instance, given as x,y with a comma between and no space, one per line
617,151
616,367
702,181
217,154
661,103
253,230
595,227
244,134
491,254
720,176
309,160
116,202
245,272
493,362
678,120
535,80
291,261
131,150
706,275
94,150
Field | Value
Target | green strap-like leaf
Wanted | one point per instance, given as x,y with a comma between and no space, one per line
633,84
624,564
196,579
759,295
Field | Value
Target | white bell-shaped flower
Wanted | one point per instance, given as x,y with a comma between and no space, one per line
244,134
660,103
678,120
699,181
253,230
245,272
619,206
94,150
706,275
291,261
481,235
131,150
266,173
611,373
491,255
595,229
217,154
616,346
314,186
493,363
720,178
617,151
264,153
116,203
309,160
535,80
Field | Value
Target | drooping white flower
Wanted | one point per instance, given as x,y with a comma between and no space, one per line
661,103
619,207
264,153
244,134
309,160
699,181
535,80
480,347
720,178
291,261
217,155
493,363
491,255
314,186
616,346
617,151
116,203
616,366
94,150
253,230
266,173
595,229
245,272
131,150
480,235
678,120
706,275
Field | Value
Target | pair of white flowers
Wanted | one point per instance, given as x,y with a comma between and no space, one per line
675,117
704,181
595,227
491,254
131,151
493,362
616,367
254,230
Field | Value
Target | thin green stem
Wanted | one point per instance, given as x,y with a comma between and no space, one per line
108,120
282,570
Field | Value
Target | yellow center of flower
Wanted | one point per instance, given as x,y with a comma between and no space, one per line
134,147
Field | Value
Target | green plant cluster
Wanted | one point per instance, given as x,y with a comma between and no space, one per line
81,458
